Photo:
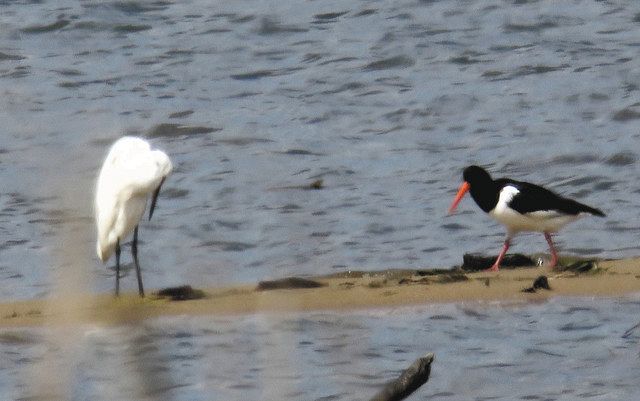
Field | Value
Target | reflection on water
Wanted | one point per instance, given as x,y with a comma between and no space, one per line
564,349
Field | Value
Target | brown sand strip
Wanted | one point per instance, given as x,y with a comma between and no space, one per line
353,290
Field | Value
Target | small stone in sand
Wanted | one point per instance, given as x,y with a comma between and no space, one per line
540,282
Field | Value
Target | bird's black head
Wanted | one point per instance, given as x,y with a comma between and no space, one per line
476,176
482,188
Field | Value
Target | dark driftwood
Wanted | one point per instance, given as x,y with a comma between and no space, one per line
288,284
475,262
630,331
409,381
580,266
182,293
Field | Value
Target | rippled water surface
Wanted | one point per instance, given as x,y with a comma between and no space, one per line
565,349
386,101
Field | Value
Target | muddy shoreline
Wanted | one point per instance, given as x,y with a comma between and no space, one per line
339,292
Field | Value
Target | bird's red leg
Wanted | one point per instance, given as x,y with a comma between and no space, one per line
554,254
505,248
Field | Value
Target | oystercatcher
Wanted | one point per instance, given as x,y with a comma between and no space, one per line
520,206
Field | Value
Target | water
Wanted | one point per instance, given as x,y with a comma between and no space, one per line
565,349
386,101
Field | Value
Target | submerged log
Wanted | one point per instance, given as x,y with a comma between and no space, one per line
409,381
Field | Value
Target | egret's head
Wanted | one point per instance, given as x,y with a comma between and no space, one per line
163,162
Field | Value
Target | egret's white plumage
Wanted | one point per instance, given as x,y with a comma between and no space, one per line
130,173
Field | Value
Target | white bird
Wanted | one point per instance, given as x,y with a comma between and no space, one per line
131,171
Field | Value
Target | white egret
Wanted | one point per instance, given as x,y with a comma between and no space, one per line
131,171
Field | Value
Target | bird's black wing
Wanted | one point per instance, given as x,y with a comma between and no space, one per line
534,198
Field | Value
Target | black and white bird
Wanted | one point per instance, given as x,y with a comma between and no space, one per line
520,206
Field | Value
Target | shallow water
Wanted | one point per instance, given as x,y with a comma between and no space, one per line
564,349
385,101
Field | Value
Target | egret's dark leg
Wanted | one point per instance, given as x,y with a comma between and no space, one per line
134,252
118,267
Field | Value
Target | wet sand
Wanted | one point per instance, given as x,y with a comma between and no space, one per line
346,291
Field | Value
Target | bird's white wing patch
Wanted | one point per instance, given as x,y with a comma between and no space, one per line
506,195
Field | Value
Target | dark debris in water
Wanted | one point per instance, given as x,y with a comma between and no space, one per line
300,152
271,26
61,23
17,338
78,84
536,27
181,293
625,115
538,69
138,7
464,60
408,382
288,283
130,28
12,57
249,76
181,114
389,63
629,332
243,141
174,193
327,17
621,159
254,75
540,283
476,262
317,184
170,130
330,15
575,159
228,246
314,185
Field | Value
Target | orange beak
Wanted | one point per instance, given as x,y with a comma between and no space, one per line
464,188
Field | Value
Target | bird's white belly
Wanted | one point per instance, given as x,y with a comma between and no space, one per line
543,221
